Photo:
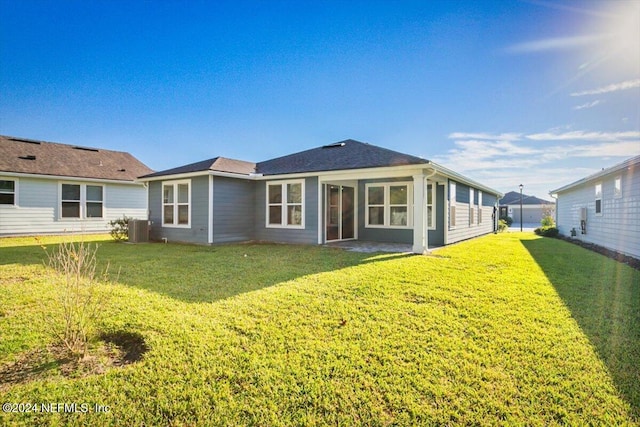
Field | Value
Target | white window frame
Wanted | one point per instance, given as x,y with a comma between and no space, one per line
285,204
387,204
479,207
14,192
598,197
176,204
431,205
82,201
452,205
617,187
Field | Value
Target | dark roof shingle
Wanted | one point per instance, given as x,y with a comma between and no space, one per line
344,155
20,155
513,198
218,164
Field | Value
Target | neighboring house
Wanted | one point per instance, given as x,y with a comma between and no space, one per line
533,208
48,187
342,191
603,208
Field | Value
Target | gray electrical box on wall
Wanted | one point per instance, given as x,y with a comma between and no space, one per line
583,214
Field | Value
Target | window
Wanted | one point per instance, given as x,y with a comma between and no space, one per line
94,201
70,201
176,204
617,187
598,198
430,211
388,205
479,207
285,204
81,201
7,192
472,213
452,204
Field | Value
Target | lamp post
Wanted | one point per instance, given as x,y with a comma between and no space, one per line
520,207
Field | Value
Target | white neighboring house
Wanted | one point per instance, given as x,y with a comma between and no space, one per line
48,188
603,208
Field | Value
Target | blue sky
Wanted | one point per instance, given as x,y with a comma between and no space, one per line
506,92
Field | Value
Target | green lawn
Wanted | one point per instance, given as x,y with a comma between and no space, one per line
505,329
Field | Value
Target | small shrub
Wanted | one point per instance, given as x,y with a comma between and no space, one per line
547,221
79,304
507,219
502,225
546,231
120,228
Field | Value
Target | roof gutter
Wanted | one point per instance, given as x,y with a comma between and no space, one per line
70,178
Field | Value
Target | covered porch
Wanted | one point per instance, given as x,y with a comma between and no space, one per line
402,211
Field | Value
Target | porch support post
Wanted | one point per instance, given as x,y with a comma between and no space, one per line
420,243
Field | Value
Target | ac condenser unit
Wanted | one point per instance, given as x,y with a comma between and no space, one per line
138,231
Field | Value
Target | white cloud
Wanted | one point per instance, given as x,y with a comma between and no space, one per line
587,105
607,149
629,84
481,135
582,135
502,163
556,43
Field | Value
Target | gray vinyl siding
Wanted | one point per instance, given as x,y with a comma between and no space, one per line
436,237
307,235
384,235
618,227
464,229
38,204
234,213
198,232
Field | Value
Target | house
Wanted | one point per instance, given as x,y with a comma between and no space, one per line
342,191
47,187
603,208
533,208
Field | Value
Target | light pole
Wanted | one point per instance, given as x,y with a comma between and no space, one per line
520,207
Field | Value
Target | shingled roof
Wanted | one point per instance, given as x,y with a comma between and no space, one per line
218,164
20,155
343,155
513,198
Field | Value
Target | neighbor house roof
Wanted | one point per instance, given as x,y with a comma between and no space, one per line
218,164
343,155
631,163
513,198
27,156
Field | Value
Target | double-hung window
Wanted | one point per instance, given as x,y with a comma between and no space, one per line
7,192
389,205
479,207
176,204
285,204
94,200
617,187
81,201
598,190
431,188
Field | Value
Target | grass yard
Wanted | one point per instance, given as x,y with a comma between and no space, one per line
505,329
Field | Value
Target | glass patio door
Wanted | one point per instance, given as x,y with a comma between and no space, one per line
340,209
